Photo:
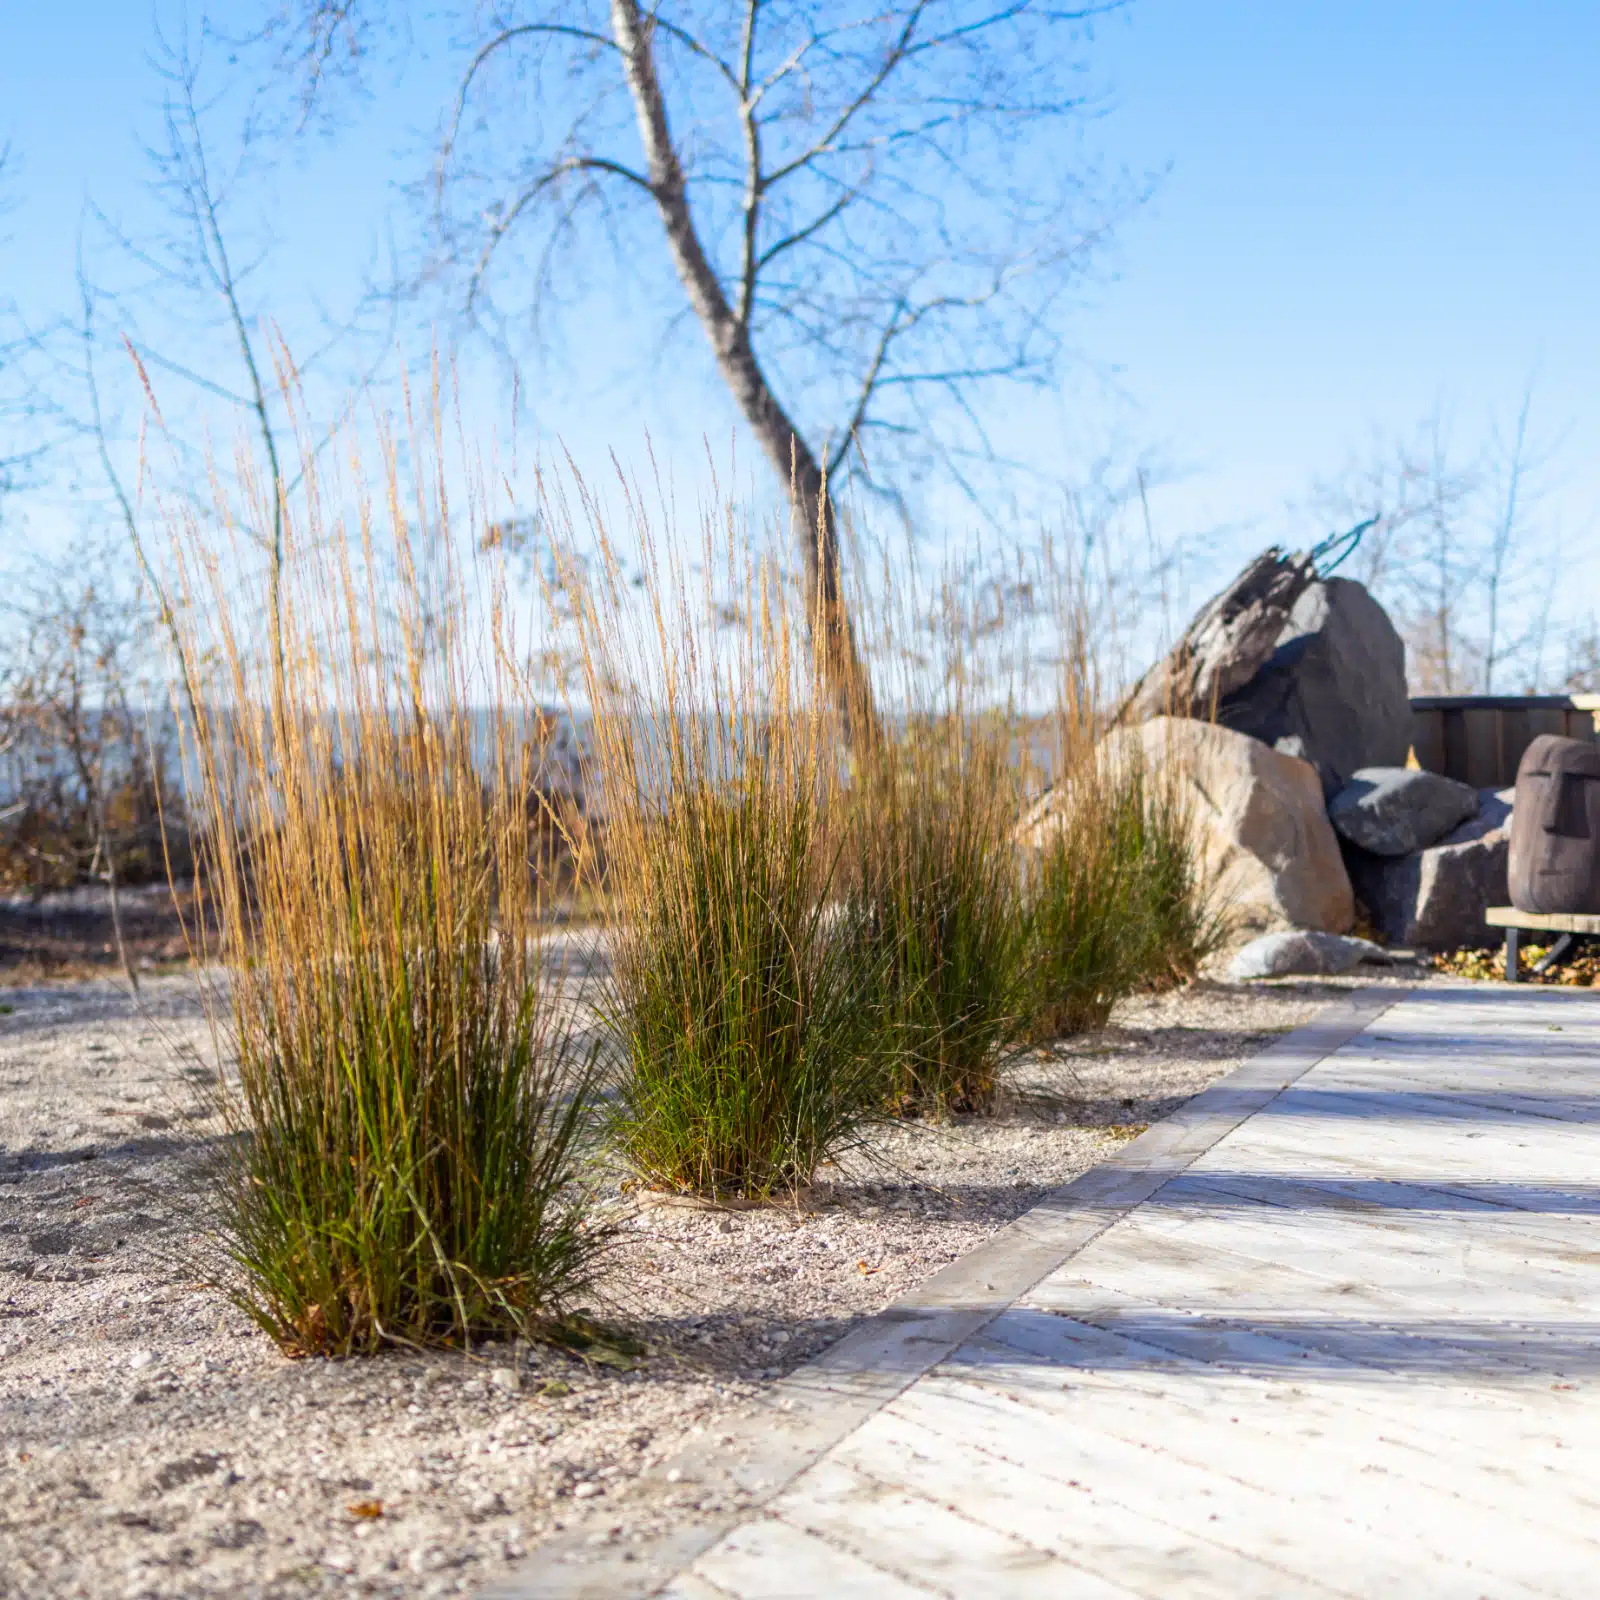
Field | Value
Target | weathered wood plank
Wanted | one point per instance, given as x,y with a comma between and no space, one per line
1200,1271
1553,921
768,1559
1535,1155
1316,1524
686,1586
1031,1502
1453,1438
894,1524
1416,1249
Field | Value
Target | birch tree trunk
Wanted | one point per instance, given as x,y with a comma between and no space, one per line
815,520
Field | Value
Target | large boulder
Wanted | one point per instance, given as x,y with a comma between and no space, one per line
1266,842
1394,811
1434,899
1302,954
1333,691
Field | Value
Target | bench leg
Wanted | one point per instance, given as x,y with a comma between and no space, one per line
1556,954
1512,942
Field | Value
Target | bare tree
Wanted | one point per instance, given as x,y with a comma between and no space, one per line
1582,673
27,419
197,260
1510,470
1448,550
83,751
872,209
187,323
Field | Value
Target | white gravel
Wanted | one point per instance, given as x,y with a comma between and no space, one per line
152,1443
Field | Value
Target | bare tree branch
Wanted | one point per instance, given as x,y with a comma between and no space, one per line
506,223
866,203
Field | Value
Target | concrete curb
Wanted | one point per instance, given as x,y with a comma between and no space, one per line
798,1419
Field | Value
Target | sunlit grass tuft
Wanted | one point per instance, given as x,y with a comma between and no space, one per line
935,904
1118,899
412,1111
749,1041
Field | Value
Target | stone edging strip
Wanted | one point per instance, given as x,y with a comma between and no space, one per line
799,1418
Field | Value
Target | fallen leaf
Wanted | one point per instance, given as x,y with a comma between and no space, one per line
865,1270
554,1388
365,1508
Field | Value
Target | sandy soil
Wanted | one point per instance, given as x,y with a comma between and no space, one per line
153,1443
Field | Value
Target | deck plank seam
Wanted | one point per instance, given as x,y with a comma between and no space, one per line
847,1385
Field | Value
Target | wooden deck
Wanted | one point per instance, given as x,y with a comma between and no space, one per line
1351,1349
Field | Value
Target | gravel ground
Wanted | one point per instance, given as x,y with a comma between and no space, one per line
153,1443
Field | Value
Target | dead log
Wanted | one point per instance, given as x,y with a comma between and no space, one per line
1226,644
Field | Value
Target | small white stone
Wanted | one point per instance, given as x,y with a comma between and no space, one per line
140,1359
673,1475
586,1491
506,1378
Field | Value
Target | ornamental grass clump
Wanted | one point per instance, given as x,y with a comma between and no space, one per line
411,1115
1117,898
1175,904
751,1050
748,1044
936,909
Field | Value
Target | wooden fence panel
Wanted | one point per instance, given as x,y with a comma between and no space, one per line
1479,739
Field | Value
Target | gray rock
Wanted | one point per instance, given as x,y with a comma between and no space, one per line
1281,955
1333,692
1494,816
1434,899
1266,846
186,1469
1393,811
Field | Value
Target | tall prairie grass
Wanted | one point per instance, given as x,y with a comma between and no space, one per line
413,1111
1117,903
806,936
935,904
802,937
1117,896
748,1032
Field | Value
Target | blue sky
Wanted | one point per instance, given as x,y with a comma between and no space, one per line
1365,211
1370,207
